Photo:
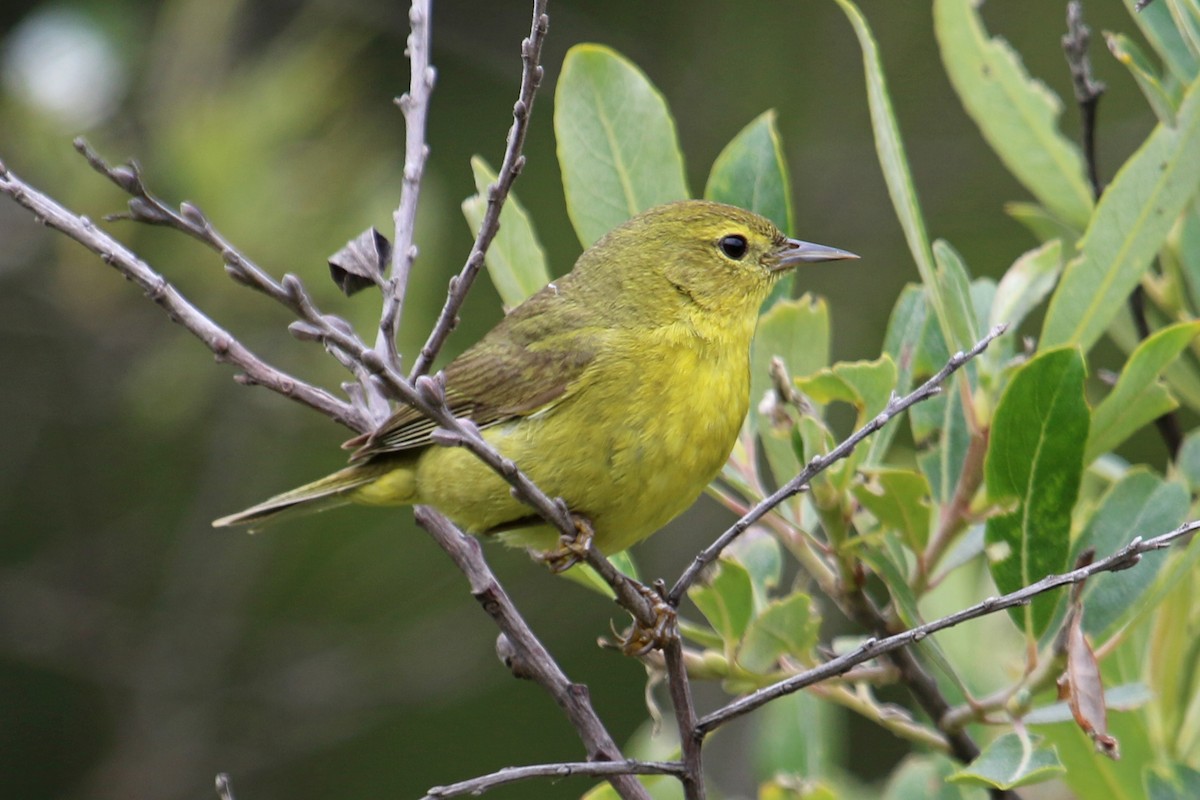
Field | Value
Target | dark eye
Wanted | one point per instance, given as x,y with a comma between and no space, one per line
733,246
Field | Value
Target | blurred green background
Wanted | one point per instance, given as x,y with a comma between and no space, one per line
141,651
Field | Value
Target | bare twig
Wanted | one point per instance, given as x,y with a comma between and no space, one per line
334,333
690,743
819,463
222,343
536,661
1088,90
1124,558
414,104
595,769
510,168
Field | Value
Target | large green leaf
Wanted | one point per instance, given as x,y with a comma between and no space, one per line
1140,504
788,626
751,173
1034,462
1010,761
617,146
1133,219
516,262
1017,115
955,285
1138,398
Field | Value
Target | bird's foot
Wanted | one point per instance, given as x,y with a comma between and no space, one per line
571,549
639,639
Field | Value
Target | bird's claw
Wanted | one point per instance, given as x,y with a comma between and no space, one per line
571,549
639,639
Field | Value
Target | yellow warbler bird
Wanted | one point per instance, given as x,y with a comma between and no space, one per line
619,387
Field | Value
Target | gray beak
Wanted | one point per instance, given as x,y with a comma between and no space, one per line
796,252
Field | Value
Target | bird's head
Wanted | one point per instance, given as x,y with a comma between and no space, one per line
717,258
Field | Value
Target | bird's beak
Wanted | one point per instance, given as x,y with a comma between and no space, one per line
796,252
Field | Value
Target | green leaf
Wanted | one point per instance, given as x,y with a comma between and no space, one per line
797,734
751,173
1140,504
1042,224
894,162
1017,115
516,262
940,429
905,329
1185,241
759,552
1143,71
1026,284
727,601
1010,761
955,285
899,499
1035,460
1161,31
1022,289
924,777
798,332
1138,398
1135,215
785,627
1091,775
1183,784
1188,460
617,146
866,385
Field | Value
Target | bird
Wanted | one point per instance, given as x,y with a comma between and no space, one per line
619,387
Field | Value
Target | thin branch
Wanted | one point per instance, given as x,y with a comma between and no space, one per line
1124,558
691,744
510,168
536,661
334,333
224,346
414,104
595,769
819,463
1088,90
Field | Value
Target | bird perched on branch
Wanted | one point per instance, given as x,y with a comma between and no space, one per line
620,387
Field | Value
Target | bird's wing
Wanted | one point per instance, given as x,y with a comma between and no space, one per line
531,360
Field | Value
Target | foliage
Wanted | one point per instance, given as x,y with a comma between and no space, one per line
1014,467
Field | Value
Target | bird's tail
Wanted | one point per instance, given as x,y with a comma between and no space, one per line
328,492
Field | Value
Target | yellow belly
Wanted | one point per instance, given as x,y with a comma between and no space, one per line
630,448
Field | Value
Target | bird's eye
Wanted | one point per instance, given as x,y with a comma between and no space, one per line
733,246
